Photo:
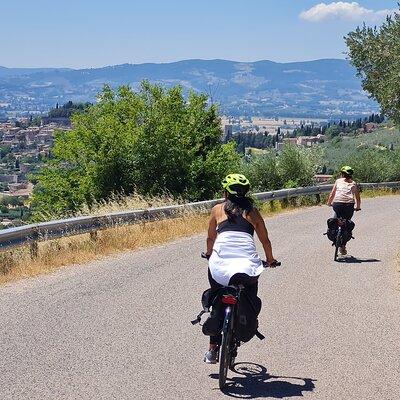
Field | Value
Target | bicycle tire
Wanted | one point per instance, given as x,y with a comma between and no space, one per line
337,244
225,350
335,257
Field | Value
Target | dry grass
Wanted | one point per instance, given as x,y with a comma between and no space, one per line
17,264
371,193
54,254
135,201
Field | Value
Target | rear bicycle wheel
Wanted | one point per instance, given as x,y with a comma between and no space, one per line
225,350
338,243
336,252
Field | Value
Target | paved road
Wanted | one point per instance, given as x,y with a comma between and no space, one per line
119,328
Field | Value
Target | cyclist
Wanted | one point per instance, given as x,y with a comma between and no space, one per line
231,249
345,197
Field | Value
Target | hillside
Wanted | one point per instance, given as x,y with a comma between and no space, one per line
321,88
342,150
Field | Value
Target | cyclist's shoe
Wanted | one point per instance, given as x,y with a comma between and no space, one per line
211,356
342,250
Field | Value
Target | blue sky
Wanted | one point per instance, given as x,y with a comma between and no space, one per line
92,33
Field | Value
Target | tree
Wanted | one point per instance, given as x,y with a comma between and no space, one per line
375,52
151,142
333,131
4,150
295,167
68,109
262,172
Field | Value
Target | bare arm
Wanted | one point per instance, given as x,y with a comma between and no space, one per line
258,222
332,195
212,232
358,197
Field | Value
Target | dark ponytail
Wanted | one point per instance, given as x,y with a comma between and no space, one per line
346,176
237,205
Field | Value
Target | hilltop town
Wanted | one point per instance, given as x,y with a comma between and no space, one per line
25,147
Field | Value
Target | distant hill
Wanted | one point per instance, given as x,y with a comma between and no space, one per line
13,72
321,88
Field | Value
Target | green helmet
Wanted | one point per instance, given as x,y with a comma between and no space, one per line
236,184
347,170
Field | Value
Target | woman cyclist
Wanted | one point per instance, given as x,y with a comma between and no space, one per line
345,197
231,249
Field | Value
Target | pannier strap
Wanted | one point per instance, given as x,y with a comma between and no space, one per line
198,318
260,335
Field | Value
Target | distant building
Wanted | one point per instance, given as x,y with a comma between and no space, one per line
9,178
290,140
370,127
279,145
307,141
322,178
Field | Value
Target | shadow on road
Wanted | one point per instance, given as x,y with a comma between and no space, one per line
257,383
355,260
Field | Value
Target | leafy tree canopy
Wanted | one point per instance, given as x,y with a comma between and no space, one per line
151,142
375,52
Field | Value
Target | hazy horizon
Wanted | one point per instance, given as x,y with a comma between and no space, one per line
172,62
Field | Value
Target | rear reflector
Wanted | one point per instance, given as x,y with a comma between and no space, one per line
229,299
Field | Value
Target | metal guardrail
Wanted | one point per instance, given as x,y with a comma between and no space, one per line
31,234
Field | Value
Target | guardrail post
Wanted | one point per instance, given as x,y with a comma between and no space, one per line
93,236
34,249
34,246
318,197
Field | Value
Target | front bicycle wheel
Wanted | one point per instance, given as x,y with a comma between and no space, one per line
225,350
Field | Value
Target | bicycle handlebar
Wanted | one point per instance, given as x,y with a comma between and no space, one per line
275,264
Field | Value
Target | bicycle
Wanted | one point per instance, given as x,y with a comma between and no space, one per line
340,241
342,235
229,344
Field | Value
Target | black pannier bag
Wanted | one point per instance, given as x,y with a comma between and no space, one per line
333,229
348,232
214,323
247,320
248,310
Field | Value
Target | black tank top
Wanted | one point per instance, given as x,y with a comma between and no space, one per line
237,224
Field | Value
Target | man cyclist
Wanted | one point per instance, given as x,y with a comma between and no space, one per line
231,249
345,197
